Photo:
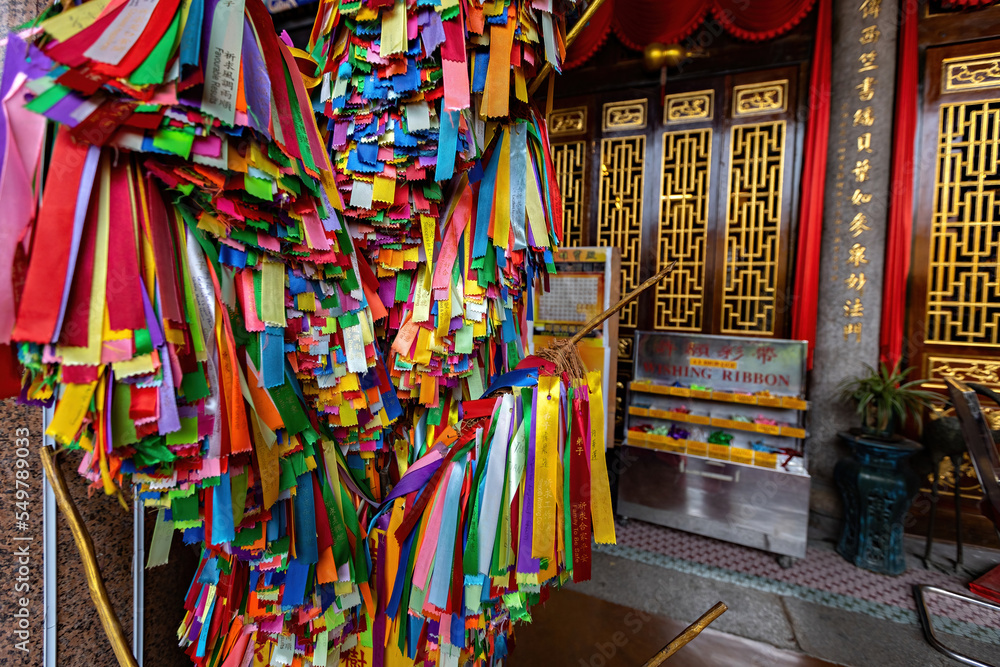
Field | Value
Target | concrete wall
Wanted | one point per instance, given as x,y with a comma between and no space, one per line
840,354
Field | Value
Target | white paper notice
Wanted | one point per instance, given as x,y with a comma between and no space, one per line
222,64
284,651
123,32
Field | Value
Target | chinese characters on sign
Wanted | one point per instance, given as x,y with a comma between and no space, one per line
856,255
864,121
859,224
840,185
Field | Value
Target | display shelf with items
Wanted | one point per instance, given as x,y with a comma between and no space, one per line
726,410
771,433
711,394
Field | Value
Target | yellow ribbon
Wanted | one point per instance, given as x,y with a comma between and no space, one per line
310,81
600,489
546,467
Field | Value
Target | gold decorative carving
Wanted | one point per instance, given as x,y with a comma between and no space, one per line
753,228
570,161
683,229
966,369
567,121
760,98
628,115
968,483
619,219
687,107
963,295
619,403
971,72
625,348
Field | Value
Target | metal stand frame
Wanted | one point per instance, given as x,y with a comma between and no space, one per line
138,574
928,626
986,461
50,577
49,645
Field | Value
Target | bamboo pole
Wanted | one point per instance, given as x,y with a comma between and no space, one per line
626,300
98,593
689,633
564,354
537,82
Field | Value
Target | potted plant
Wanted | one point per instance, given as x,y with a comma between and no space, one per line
885,399
875,482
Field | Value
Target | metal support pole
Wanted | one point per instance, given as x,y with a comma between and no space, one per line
49,618
138,573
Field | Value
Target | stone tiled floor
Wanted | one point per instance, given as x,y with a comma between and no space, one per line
822,570
822,607
577,630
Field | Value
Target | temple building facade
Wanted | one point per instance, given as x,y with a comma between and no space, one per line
818,179
821,171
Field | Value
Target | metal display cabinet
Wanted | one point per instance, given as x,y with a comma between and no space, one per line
714,439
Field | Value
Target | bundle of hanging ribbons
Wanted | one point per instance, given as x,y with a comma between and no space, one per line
290,306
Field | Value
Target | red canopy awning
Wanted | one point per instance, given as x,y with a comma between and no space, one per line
968,4
641,22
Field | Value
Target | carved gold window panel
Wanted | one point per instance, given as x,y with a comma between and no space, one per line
971,73
966,369
968,483
963,295
562,122
683,229
570,160
753,228
688,107
628,115
760,98
619,210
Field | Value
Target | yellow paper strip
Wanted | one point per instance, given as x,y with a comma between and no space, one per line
73,20
546,467
444,315
422,296
536,215
393,29
384,189
600,489
427,227
502,225
140,365
272,293
70,411
520,87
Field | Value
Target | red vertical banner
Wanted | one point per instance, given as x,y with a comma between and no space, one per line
897,252
813,186
579,491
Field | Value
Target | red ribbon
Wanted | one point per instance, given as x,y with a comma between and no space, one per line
76,323
163,250
125,309
38,311
579,489
276,72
